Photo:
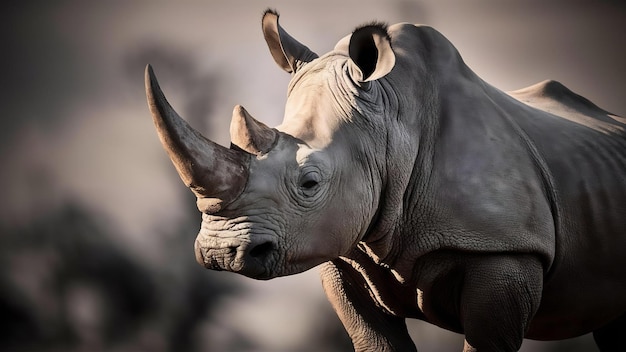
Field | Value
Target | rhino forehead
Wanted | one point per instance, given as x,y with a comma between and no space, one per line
323,98
310,116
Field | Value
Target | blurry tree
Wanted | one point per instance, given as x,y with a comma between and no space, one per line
64,284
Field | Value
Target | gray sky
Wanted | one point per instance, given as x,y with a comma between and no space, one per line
75,124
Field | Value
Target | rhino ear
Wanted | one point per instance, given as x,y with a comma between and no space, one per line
288,53
371,53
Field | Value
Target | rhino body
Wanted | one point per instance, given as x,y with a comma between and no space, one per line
422,190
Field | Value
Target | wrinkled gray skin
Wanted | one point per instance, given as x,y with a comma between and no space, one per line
424,191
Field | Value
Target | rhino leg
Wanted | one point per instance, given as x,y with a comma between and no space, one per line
612,337
500,296
369,327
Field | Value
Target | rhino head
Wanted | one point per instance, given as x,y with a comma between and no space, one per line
282,200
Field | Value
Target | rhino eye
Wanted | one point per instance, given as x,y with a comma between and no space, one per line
309,184
309,181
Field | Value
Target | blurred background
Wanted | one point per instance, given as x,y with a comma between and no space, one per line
96,229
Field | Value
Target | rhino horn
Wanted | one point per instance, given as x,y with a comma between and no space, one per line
249,134
216,175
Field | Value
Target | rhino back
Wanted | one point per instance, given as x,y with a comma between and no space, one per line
584,150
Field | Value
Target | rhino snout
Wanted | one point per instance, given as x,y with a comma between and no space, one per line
247,258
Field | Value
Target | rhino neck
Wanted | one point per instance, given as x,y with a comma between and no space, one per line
393,239
415,89
409,156
399,236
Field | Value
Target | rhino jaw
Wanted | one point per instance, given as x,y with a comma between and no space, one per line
248,258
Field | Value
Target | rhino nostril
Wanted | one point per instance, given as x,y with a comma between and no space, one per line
262,250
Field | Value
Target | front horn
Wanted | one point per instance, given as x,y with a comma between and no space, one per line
215,174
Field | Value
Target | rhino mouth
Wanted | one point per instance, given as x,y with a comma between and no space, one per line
249,258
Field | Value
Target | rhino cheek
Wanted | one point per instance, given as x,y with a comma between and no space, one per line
316,247
308,256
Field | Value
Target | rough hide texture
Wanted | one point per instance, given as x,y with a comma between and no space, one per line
426,193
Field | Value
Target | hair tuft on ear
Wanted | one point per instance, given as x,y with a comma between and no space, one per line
270,10
375,26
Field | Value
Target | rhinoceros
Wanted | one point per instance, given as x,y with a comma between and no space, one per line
423,191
